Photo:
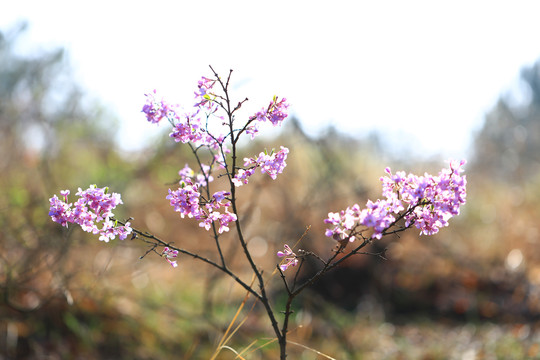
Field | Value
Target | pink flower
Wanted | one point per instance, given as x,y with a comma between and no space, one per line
344,222
110,230
203,95
60,211
220,196
276,112
170,254
94,205
200,178
224,221
157,110
429,202
289,258
272,165
185,199
377,215
242,176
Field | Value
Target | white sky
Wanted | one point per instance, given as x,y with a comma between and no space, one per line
423,71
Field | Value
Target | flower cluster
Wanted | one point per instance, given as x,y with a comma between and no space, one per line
94,205
190,128
210,212
429,202
289,258
272,165
187,201
187,127
203,96
432,200
276,112
156,110
201,178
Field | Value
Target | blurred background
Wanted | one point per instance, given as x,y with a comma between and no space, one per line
369,88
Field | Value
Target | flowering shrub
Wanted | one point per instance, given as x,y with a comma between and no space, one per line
425,202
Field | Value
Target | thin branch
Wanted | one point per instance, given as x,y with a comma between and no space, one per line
158,241
284,280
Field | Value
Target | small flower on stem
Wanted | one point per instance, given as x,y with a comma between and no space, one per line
65,194
242,176
289,258
169,254
202,95
156,110
272,165
276,112
225,219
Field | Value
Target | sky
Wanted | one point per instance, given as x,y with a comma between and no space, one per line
422,73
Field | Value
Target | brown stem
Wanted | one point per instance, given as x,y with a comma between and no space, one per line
263,298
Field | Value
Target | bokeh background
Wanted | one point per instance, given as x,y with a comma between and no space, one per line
470,292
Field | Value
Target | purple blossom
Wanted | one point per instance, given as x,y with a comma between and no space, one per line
170,254
218,201
242,176
203,95
110,231
224,221
274,164
428,201
209,219
220,196
276,112
344,223
99,201
156,110
94,205
252,129
60,211
200,178
215,216
186,172
65,194
185,199
289,258
189,128
377,215
270,164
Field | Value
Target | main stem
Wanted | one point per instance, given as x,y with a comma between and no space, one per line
263,296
